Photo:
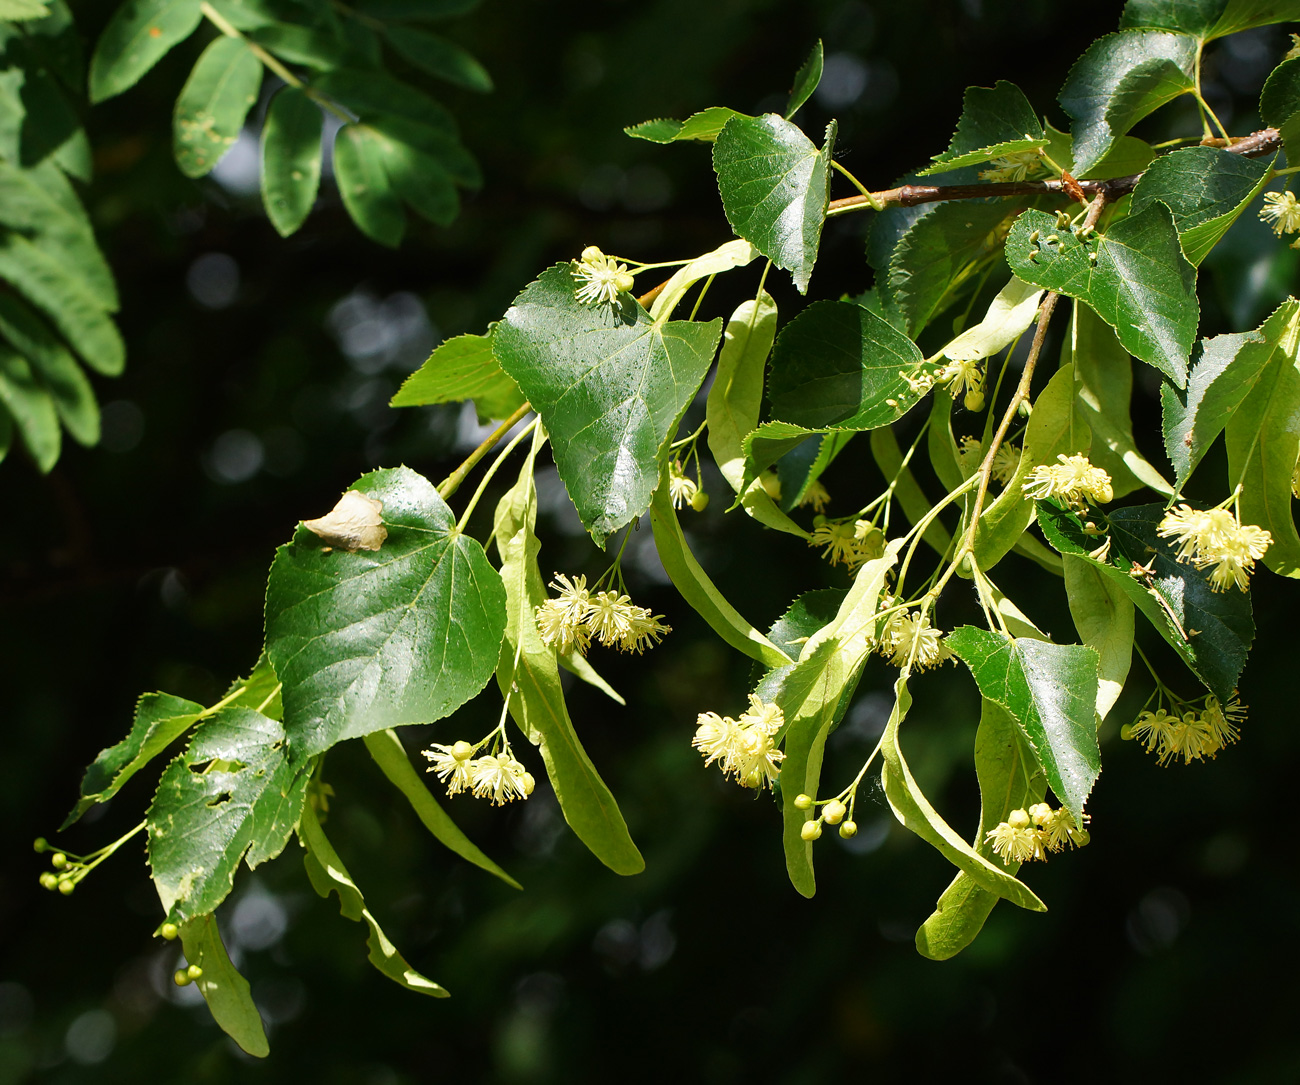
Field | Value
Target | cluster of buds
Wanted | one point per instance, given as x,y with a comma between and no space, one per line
684,490
849,543
570,620
498,777
69,869
908,637
183,977
1192,734
602,277
744,747
833,812
1031,834
1073,480
1214,537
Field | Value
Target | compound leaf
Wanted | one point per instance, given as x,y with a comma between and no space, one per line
138,35
291,158
212,105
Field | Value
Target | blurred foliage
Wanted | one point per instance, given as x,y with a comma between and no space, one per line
259,375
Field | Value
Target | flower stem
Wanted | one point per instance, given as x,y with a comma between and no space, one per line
452,482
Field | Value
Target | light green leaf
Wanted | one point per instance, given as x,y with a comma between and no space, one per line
805,80
54,368
1210,630
1009,779
329,875
439,57
31,408
370,640
212,105
233,791
291,158
529,677
138,35
17,10
390,755
1134,275
459,369
611,386
1009,316
1119,80
703,126
160,719
1245,14
1206,189
914,810
1208,19
995,121
222,987
576,664
775,187
1103,615
1279,106
364,185
730,255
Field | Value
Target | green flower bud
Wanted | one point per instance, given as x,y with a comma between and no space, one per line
802,802
169,931
194,971
812,830
58,861
974,401
66,886
40,844
849,829
49,881
700,501
834,812
181,978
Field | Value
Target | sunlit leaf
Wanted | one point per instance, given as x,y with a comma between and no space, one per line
212,105
138,35
805,80
291,158
459,369
703,126
1279,105
1103,615
995,121
226,992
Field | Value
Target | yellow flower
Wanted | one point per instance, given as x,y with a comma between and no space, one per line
603,278
501,778
1056,828
910,638
452,764
681,489
1012,167
1073,479
1015,839
1193,736
1208,537
816,495
1282,210
745,747
561,622
968,375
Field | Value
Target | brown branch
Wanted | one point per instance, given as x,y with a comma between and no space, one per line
1263,142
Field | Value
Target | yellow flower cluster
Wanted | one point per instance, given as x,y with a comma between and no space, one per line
1031,834
847,543
1282,210
907,636
603,278
1005,460
1208,537
496,776
1072,479
1191,735
744,747
1013,167
572,619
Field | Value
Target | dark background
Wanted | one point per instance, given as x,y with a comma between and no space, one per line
256,390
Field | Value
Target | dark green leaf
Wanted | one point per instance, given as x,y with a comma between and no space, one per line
213,103
370,640
309,46
233,791
1279,106
775,188
703,126
1207,19
291,157
439,57
51,126
416,10
1225,370
805,80
138,35
364,184
30,407
451,155
6,433
419,179
529,677
376,94
328,875
799,468
54,367
1050,691
1206,189
160,719
226,992
1118,81
611,386
995,121
1140,282
56,41
1211,630
459,369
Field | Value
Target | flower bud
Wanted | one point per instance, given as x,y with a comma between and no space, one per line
802,802
527,783
181,978
40,844
58,860
834,812
1018,819
169,931
812,830
974,401
592,252
849,829
194,971
66,886
461,750
624,282
700,501
49,881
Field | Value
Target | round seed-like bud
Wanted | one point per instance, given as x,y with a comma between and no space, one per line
834,812
66,886
849,829
49,881
527,783
194,971
592,252
169,931
40,844
802,802
1018,819
462,750
700,501
181,978
58,860
624,282
974,401
812,830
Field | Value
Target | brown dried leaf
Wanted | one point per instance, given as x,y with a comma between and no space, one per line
354,523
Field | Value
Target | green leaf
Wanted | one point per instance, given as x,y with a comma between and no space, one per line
1225,371
1126,156
54,368
1245,14
698,590
732,254
31,408
291,158
1050,691
443,147
1208,19
1263,442
805,80
419,179
390,755
775,187
1206,189
703,126
1119,80
838,364
138,35
1279,106
1103,374
611,386
1210,630
1103,615
212,105
51,126
16,10
6,433
160,719
459,369
370,640
1009,316
914,810
938,253
416,10
328,875
799,468
439,57
812,697
1009,779
529,677
233,791
364,185
226,992
1134,275
372,95
995,121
